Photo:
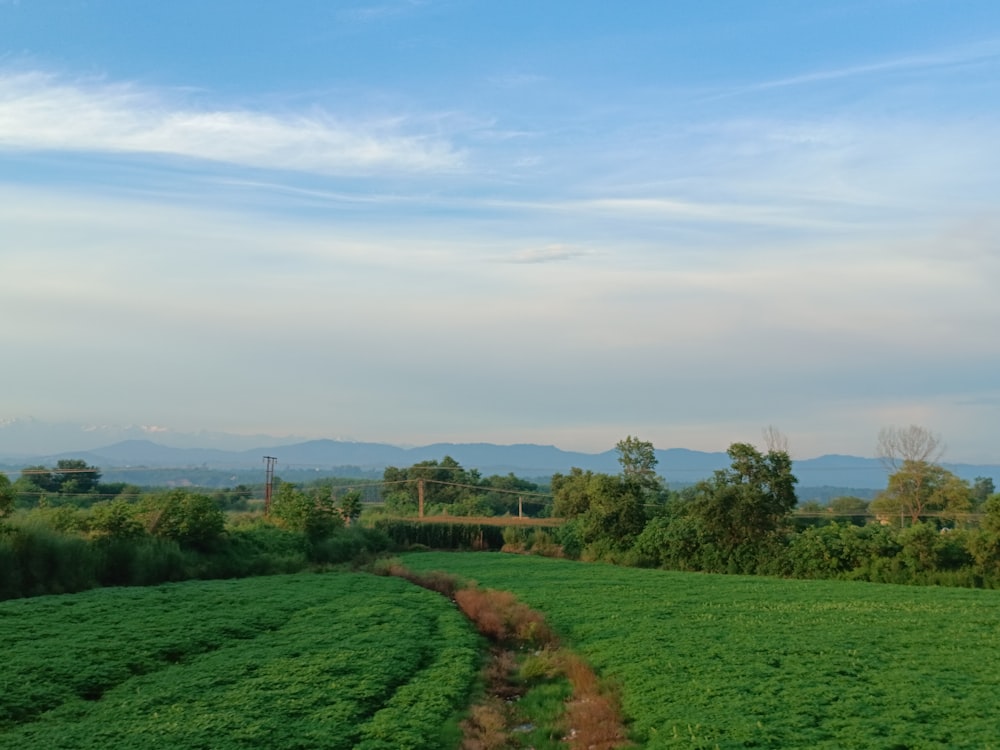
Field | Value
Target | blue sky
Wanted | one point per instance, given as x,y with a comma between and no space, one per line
551,222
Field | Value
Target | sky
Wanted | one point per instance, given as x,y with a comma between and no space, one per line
562,222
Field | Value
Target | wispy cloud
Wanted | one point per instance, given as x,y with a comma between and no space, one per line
974,53
42,112
546,254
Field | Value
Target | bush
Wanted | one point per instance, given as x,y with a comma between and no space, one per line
35,560
192,520
347,545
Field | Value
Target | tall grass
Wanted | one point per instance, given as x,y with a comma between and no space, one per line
37,559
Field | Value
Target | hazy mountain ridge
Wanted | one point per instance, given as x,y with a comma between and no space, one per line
25,437
676,465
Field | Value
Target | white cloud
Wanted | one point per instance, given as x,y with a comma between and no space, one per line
224,315
39,111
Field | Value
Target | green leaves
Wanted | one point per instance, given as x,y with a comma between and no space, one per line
305,661
191,519
6,496
753,498
706,661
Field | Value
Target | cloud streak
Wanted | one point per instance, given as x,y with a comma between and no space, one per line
38,111
547,254
976,53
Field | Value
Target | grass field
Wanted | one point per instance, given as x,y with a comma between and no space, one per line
706,661
302,661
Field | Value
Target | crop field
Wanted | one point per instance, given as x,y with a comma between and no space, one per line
706,661
302,661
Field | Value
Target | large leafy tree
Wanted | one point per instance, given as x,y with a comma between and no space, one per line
606,508
919,488
571,493
34,483
638,461
70,477
445,483
75,477
748,501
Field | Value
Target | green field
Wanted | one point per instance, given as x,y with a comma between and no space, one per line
302,661
705,661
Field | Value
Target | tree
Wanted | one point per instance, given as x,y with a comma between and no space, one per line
501,495
115,519
616,513
313,514
750,500
774,440
350,506
445,483
33,484
638,461
985,546
914,444
191,519
608,508
982,488
75,477
571,493
6,496
991,517
918,488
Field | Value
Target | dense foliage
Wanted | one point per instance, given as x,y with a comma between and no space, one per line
927,526
171,536
449,488
707,661
306,661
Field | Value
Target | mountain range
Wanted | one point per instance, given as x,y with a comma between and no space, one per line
679,466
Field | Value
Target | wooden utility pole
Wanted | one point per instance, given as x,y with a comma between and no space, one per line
520,507
420,498
269,462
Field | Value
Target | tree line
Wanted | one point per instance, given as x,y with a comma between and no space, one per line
927,525
71,534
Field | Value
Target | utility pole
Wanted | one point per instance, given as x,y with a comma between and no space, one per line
420,498
269,462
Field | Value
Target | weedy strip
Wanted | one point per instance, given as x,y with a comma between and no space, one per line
526,656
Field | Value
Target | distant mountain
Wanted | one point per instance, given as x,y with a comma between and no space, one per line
22,437
679,466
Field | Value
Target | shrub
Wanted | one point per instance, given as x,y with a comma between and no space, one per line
37,560
192,520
